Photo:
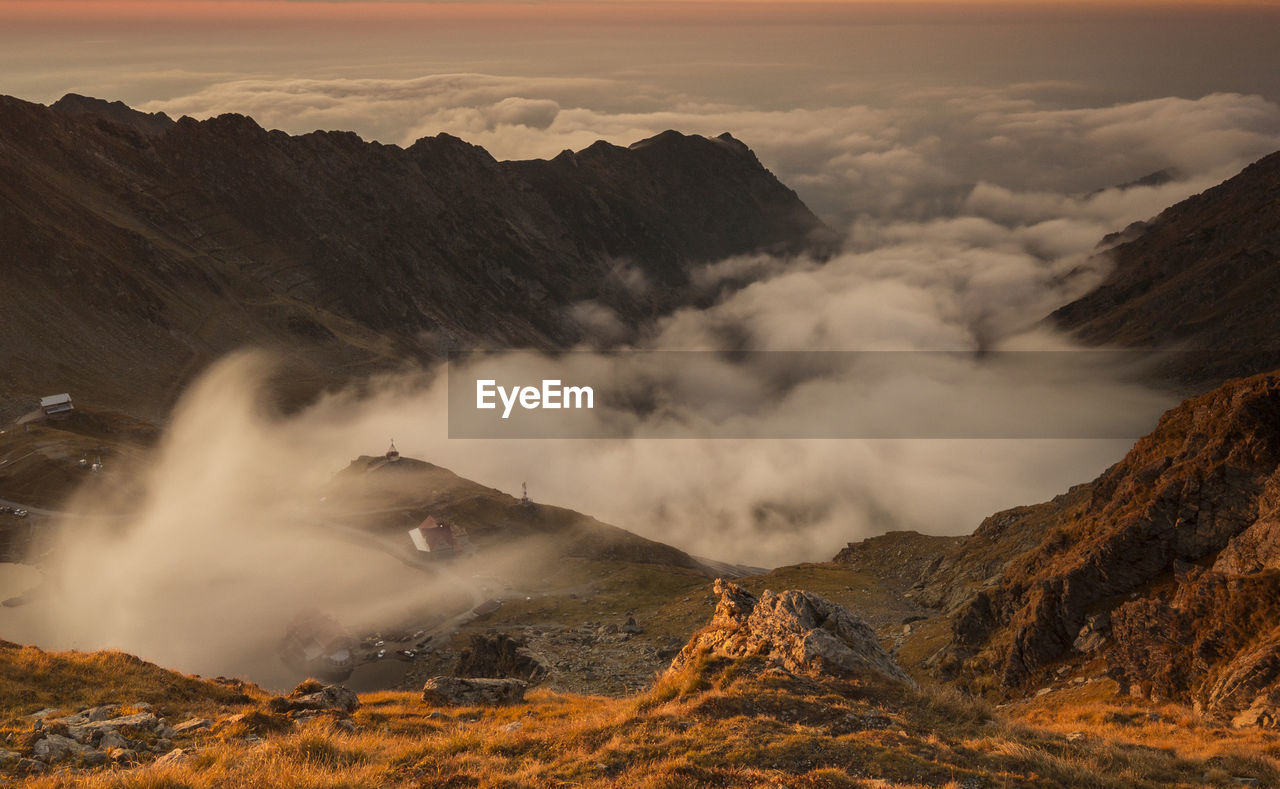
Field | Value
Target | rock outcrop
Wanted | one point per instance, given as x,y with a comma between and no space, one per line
797,631
313,696
500,657
473,691
96,736
1169,572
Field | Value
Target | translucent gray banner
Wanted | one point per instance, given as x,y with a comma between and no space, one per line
809,394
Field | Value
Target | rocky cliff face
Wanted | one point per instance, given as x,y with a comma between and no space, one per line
1197,277
137,248
1170,572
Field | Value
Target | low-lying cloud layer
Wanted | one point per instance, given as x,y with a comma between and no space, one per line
971,214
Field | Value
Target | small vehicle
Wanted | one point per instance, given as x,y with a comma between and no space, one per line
407,654
20,513
382,653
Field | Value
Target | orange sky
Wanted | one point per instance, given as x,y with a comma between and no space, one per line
481,10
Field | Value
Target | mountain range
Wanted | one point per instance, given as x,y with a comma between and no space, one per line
138,248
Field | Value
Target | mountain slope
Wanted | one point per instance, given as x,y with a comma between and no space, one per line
137,249
1164,572
1199,277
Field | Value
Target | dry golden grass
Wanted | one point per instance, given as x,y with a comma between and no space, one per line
718,723
32,679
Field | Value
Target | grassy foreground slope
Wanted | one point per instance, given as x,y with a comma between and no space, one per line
716,723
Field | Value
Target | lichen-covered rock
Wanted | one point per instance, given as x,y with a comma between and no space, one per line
799,631
473,691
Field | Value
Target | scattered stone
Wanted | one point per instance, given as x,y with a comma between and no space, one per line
473,691
176,756
56,748
94,758
631,627
105,712
30,767
9,757
192,725
123,755
114,739
345,724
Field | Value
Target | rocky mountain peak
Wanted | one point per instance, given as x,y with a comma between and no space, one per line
146,123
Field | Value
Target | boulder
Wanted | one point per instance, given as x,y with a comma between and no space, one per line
311,695
56,748
94,759
253,722
114,739
473,691
176,756
30,767
192,725
500,657
795,630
